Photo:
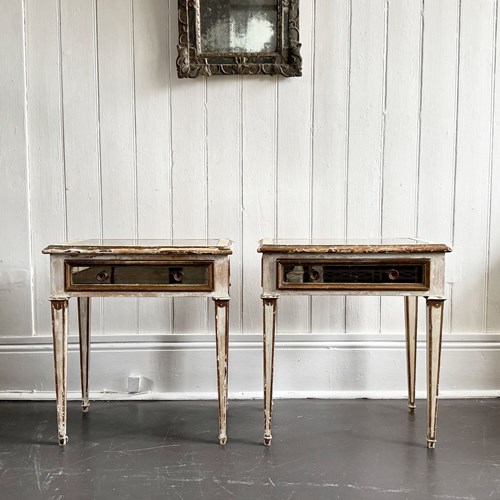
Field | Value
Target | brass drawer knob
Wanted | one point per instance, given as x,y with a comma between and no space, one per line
393,274
178,275
102,276
314,274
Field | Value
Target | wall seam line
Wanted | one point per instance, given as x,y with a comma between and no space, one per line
99,145
416,228
28,171
276,157
348,144
455,159
312,118
171,159
62,127
491,160
134,144
241,219
383,136
207,177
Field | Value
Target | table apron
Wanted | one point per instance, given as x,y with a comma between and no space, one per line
435,285
221,275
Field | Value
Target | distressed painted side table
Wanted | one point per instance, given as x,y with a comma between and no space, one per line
407,267
135,268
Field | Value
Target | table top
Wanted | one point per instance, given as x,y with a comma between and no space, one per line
141,246
373,245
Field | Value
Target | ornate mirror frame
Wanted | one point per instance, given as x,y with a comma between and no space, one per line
192,62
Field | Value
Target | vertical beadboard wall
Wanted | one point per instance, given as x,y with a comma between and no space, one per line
393,130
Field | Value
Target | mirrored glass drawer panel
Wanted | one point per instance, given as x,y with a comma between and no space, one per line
368,275
139,275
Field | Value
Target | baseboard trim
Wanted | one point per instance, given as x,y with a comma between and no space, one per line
193,345
243,396
242,339
314,368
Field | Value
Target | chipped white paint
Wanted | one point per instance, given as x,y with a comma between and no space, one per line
222,339
269,304
84,315
66,257
276,253
387,132
60,337
435,307
411,318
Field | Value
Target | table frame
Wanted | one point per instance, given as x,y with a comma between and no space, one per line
61,255
434,295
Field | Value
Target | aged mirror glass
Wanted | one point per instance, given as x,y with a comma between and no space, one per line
226,37
239,25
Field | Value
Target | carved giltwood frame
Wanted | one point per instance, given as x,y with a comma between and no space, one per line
192,62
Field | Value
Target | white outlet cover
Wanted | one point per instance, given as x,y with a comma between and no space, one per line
134,382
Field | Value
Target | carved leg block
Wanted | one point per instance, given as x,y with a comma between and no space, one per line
84,328
269,335
60,336
222,339
411,315
435,308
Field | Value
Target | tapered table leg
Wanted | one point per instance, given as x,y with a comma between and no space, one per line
411,315
269,335
435,306
60,336
222,340
84,328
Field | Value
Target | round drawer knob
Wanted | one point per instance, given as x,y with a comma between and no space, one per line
102,276
178,275
314,275
393,274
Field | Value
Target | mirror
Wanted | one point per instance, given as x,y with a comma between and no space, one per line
239,25
227,37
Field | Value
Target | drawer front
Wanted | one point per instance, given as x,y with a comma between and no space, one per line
349,275
136,276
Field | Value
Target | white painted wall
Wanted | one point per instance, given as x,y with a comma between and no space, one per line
394,130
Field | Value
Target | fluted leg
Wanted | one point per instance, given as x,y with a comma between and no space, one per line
60,336
411,315
84,327
222,339
269,335
435,306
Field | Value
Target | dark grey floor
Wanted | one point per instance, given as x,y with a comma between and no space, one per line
321,449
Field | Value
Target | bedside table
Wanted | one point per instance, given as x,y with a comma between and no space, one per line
135,268
406,267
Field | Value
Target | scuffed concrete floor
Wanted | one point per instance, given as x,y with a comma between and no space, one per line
321,450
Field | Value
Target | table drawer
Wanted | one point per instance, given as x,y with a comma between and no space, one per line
137,276
349,275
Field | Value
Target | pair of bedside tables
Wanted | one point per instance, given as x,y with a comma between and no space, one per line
200,268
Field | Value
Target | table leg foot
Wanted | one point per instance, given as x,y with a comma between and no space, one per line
435,307
411,315
411,409
269,305
59,308
222,339
84,331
